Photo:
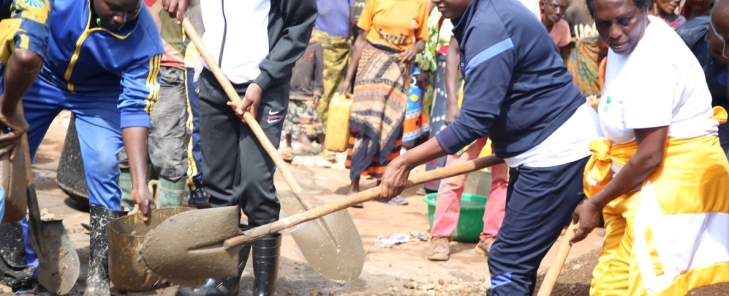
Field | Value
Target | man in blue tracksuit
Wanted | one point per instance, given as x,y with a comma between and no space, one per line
102,64
24,38
519,93
24,42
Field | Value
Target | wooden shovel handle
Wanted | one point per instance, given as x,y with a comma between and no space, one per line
550,279
236,99
367,195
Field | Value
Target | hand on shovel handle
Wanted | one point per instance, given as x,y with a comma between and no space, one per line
367,195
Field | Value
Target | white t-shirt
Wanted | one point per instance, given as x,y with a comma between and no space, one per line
659,84
570,142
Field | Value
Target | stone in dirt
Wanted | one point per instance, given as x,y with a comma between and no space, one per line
410,285
428,287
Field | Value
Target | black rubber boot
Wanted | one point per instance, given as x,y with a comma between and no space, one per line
97,279
199,198
265,265
225,286
14,272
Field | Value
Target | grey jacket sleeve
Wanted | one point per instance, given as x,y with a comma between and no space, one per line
297,24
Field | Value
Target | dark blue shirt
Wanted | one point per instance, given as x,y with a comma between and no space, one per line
695,33
517,91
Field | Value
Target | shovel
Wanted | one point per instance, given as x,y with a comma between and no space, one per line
331,244
59,265
210,249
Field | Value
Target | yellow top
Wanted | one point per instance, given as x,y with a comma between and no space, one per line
395,23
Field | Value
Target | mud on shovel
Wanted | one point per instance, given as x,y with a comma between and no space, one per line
59,265
331,244
210,249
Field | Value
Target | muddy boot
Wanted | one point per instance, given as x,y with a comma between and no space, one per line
125,183
170,193
265,265
97,279
225,286
14,271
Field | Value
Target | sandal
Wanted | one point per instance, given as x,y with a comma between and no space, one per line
287,154
421,191
398,201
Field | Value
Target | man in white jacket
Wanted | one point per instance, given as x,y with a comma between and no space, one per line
256,44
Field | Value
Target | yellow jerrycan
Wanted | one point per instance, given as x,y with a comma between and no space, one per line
337,132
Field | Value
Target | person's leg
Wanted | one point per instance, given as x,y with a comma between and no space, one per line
258,199
495,207
288,140
41,103
220,131
198,195
336,52
167,135
448,204
611,275
219,134
539,202
100,138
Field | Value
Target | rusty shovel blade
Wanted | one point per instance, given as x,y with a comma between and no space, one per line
59,265
189,246
59,268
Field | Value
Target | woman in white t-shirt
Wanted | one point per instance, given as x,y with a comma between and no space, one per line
660,178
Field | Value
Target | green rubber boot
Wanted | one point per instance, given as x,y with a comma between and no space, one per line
125,183
170,193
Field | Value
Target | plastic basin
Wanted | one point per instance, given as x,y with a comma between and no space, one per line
470,221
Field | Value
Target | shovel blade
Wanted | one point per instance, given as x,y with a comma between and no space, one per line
332,246
189,245
59,265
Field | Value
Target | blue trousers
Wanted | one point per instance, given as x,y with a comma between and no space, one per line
192,96
539,203
724,137
99,132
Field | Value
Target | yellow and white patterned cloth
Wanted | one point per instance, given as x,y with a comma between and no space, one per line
672,234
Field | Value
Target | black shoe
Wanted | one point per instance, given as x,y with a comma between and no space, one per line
265,265
97,279
199,198
221,287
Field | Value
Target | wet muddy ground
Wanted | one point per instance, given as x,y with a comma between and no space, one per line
402,270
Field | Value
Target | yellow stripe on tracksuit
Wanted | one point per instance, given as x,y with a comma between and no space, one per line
152,84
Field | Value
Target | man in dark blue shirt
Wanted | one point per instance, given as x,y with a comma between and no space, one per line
707,47
519,93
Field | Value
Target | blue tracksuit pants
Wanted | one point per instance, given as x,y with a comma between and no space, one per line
99,131
539,203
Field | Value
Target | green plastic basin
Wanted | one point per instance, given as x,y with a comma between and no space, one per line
470,221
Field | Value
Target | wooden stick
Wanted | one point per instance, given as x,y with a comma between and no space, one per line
367,195
249,119
550,279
